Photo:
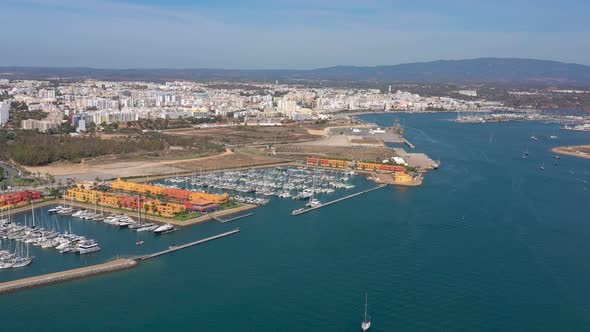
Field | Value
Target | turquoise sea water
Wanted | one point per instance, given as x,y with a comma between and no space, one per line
489,243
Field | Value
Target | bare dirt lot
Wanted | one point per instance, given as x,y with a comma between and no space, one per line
113,167
300,152
366,141
246,146
233,160
248,135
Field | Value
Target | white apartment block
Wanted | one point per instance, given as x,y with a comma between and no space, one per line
4,112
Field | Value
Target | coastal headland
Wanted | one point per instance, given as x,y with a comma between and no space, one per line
580,151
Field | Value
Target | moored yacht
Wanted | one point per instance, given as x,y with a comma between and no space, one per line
147,228
164,229
297,211
313,203
86,247
21,261
55,209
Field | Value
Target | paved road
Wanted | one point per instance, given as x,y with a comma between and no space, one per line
10,171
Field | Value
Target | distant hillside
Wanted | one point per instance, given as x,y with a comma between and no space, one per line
498,70
483,70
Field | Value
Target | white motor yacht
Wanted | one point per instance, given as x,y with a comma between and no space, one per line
87,247
164,229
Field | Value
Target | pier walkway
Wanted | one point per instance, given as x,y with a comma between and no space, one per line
296,212
223,221
409,144
63,276
184,246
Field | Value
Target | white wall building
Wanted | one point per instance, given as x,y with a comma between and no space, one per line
4,112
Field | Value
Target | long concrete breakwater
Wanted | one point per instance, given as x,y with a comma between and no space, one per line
298,212
223,221
176,248
94,270
63,276
408,143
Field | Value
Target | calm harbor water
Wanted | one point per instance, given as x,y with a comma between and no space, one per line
489,243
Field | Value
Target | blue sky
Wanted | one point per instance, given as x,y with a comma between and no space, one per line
287,34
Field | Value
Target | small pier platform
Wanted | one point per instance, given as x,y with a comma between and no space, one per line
223,221
184,246
409,144
296,213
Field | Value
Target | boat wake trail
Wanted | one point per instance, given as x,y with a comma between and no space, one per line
420,134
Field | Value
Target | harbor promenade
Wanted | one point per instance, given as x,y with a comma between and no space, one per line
206,217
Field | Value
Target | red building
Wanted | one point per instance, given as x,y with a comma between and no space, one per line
201,206
179,194
20,197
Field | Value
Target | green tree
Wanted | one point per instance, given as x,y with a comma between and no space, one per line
50,178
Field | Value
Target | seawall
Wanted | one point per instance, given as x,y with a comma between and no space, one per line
63,276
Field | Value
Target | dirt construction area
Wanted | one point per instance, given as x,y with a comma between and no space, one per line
301,152
112,167
248,135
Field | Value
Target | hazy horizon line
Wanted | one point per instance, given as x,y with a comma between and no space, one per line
285,69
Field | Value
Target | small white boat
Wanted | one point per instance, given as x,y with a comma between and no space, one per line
6,265
21,262
313,203
147,228
87,247
55,209
297,211
366,324
164,229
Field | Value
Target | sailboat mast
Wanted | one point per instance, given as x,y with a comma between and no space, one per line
138,209
33,213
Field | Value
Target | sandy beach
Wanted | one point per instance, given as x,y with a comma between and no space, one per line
581,151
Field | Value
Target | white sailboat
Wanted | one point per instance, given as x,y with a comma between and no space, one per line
366,324
526,152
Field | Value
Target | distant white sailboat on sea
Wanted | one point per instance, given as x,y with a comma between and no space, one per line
366,324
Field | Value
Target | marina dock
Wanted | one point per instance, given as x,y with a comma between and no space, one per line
89,271
184,246
223,221
296,213
409,144
63,276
